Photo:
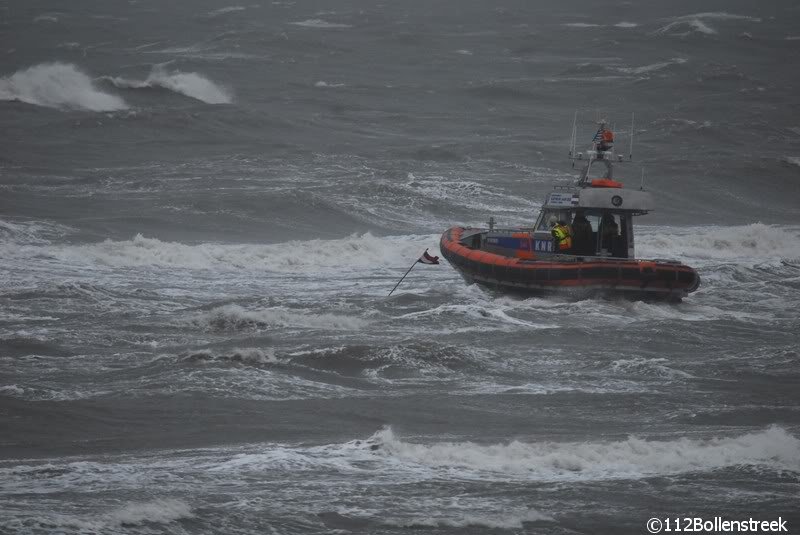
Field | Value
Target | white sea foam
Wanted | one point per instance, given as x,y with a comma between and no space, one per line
319,23
749,244
485,313
794,160
156,511
644,366
509,520
32,231
225,10
12,390
696,25
47,17
696,22
356,251
624,24
582,25
653,66
323,83
191,84
135,514
58,85
248,355
718,15
773,448
237,317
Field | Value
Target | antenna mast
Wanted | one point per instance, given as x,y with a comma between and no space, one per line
574,135
630,151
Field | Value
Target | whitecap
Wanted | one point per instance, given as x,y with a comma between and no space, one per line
190,84
508,520
47,17
319,23
312,256
238,317
756,243
633,457
156,511
653,66
225,10
58,85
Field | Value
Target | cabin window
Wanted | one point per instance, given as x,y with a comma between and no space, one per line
559,215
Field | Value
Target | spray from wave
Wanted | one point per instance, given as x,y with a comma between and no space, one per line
355,251
505,521
756,243
157,511
235,317
773,448
58,85
190,84
697,22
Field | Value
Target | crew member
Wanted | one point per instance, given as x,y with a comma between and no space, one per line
562,237
609,231
606,140
582,243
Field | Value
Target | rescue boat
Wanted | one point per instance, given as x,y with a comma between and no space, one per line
599,256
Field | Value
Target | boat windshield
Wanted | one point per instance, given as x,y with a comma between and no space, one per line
553,215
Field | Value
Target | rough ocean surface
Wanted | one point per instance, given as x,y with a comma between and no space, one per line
203,206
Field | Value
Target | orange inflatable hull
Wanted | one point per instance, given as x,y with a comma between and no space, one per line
647,279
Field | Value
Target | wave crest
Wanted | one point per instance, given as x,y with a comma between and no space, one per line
756,243
190,84
630,458
58,85
236,317
157,511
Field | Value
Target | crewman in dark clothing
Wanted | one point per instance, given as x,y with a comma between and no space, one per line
582,235
609,230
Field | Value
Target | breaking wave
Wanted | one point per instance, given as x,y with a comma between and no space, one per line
157,512
190,84
319,23
697,23
645,69
236,317
225,10
505,521
58,85
356,251
163,511
32,231
756,243
249,355
773,448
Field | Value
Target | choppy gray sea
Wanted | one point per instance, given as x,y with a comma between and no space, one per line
203,205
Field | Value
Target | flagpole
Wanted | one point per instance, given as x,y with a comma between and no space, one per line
403,277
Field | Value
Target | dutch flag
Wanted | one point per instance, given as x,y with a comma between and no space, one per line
428,259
